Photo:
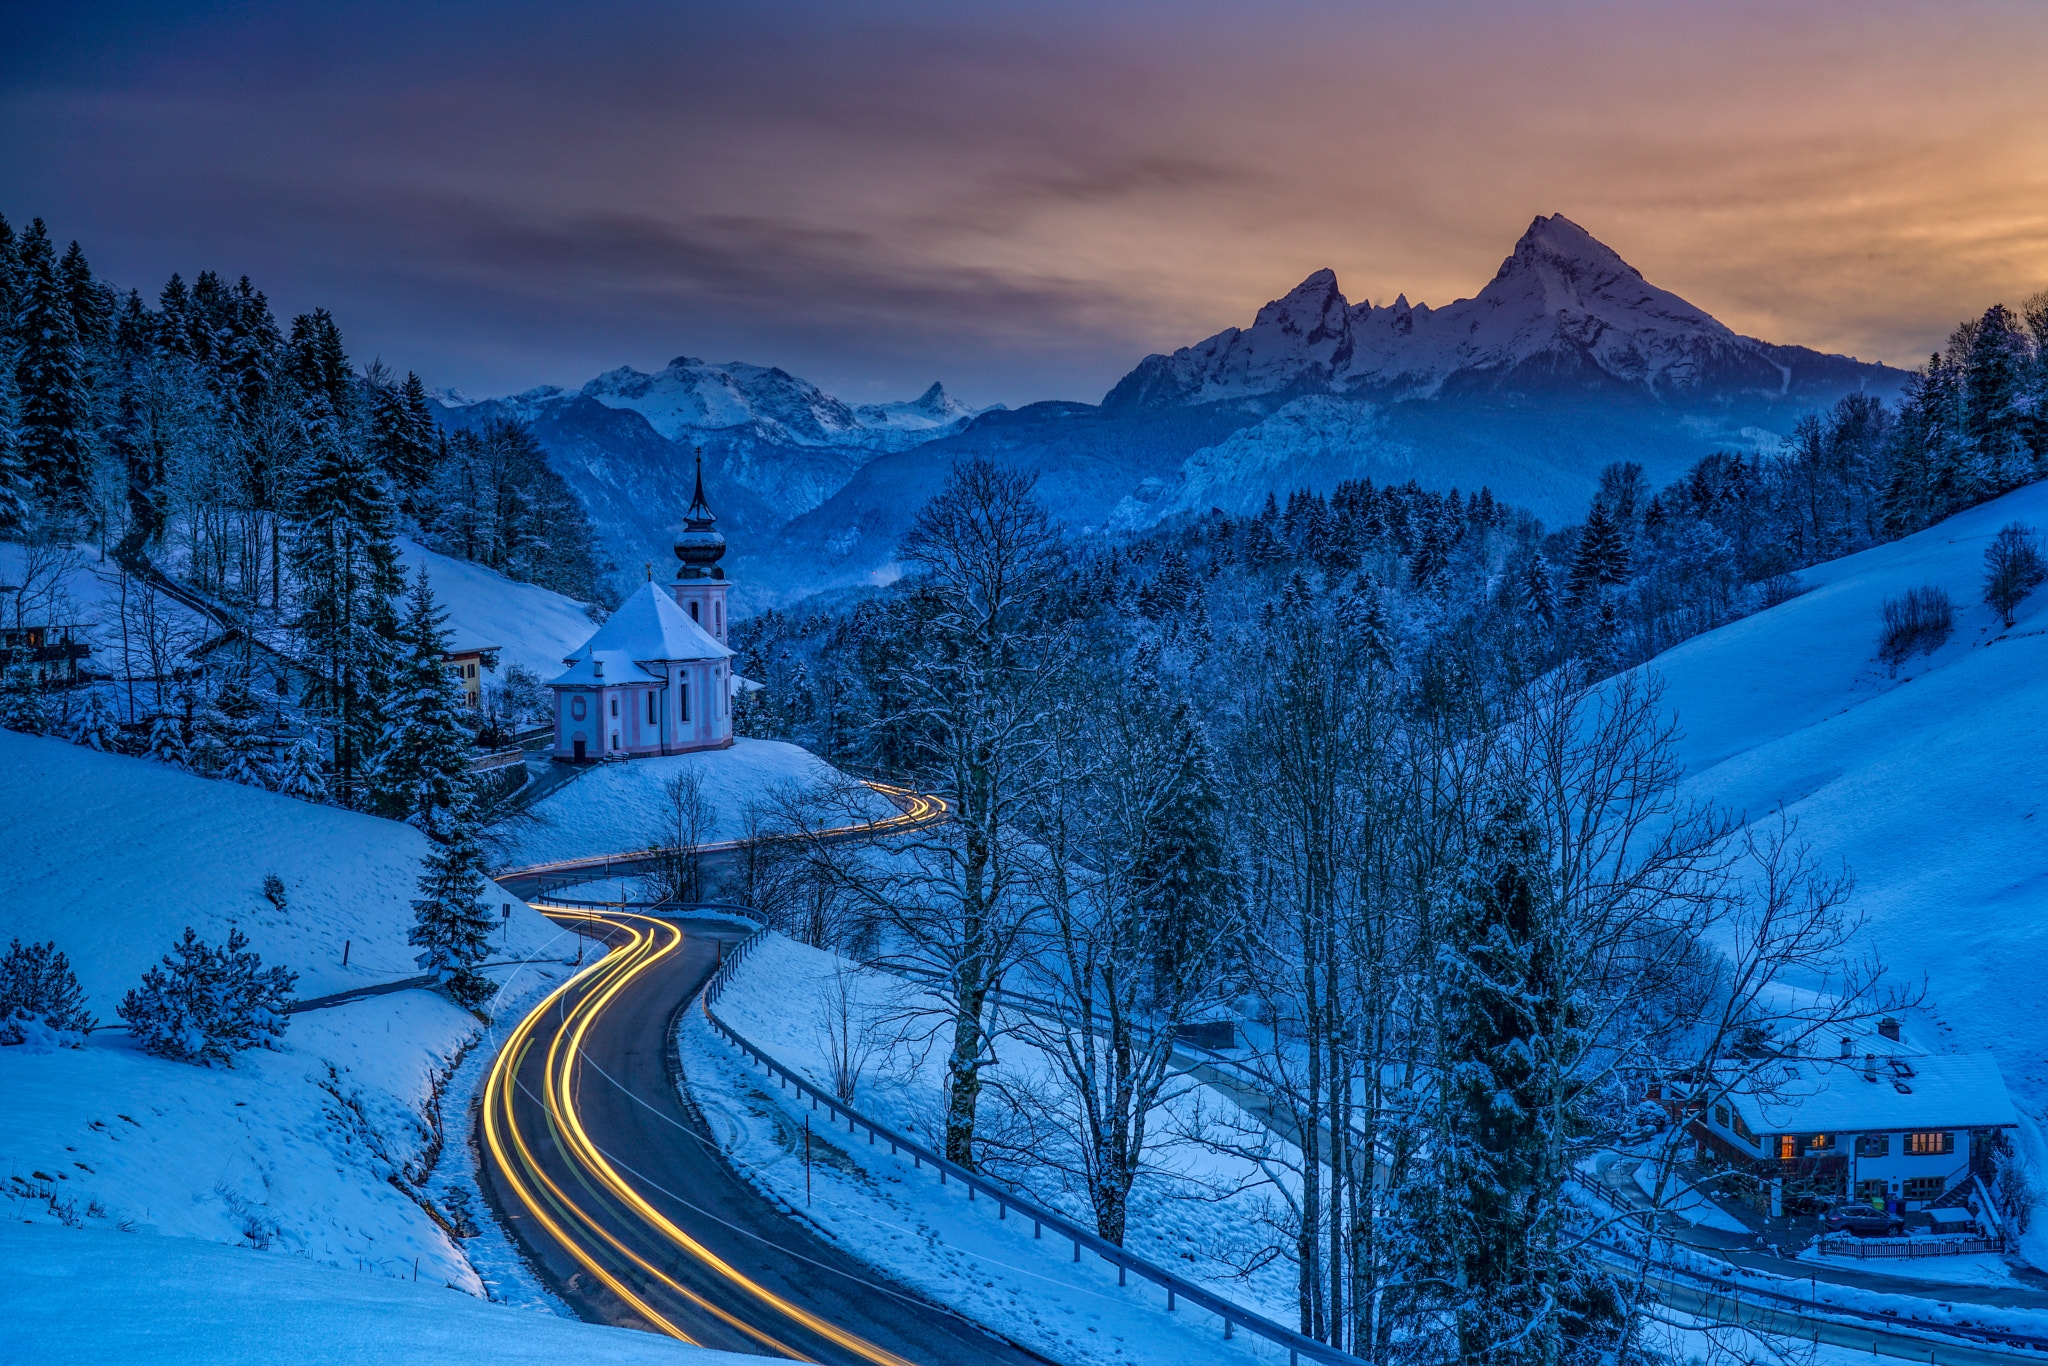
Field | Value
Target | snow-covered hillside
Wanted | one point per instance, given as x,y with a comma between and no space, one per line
90,1298
617,808
1930,785
532,626
112,857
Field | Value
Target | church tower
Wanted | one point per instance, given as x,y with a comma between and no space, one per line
700,583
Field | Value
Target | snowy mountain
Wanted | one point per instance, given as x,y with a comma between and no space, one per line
1563,312
1567,360
1928,784
775,446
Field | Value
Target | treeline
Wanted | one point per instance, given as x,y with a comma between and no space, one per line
193,431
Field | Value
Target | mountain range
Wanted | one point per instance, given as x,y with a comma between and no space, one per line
1566,360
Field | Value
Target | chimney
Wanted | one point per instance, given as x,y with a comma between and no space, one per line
1845,1045
1870,1067
1889,1027
597,666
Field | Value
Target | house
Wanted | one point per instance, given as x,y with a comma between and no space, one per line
260,657
468,663
49,653
657,677
1876,1122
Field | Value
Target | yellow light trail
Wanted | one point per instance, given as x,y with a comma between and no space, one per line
601,983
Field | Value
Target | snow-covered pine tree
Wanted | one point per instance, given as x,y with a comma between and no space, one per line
96,726
21,702
298,772
167,741
206,1004
40,999
348,573
422,766
403,437
1600,558
54,415
451,921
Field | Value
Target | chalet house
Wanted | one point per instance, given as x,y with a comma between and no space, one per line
50,654
657,677
261,657
466,664
1875,1123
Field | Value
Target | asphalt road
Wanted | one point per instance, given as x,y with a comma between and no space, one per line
620,1196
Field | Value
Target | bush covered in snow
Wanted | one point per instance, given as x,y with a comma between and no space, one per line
40,999
206,1004
1919,623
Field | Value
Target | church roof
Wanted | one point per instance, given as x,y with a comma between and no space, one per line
648,626
597,668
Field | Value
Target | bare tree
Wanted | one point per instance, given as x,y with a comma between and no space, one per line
847,1030
687,821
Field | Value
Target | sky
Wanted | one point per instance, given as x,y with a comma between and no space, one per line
1019,200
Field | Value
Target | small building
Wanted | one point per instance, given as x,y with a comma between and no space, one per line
657,677
259,657
468,664
1870,1125
50,653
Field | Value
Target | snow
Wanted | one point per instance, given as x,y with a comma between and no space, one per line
1928,785
1960,1091
1678,1197
88,1297
929,1236
532,626
1971,1268
111,857
649,626
616,808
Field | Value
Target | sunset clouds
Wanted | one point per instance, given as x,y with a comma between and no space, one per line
1021,200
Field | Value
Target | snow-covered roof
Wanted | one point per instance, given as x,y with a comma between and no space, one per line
617,667
1807,1095
649,625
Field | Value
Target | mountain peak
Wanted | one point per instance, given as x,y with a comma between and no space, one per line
1561,246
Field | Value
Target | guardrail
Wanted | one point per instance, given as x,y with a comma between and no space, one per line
1127,1264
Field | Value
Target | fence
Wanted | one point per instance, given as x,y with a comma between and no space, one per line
1873,1248
1298,1346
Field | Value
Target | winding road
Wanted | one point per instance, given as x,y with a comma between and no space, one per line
620,1195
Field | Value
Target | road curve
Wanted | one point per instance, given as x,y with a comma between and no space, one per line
619,1194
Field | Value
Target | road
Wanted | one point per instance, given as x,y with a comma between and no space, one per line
619,1194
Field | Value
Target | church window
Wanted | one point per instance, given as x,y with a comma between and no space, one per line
682,699
693,611
652,702
576,707
615,706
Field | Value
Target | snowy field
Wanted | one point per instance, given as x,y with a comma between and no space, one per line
90,1298
616,808
1931,785
294,1150
930,1236
532,626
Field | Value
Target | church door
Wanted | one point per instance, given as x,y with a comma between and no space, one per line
579,751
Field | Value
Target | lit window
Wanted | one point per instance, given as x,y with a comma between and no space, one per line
1788,1147
1930,1143
1820,1142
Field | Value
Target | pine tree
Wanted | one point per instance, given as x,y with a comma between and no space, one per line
298,773
50,383
1363,617
1600,558
10,275
1536,591
21,702
96,726
206,1004
167,742
451,922
348,573
1994,388
423,755
40,999
403,436
92,303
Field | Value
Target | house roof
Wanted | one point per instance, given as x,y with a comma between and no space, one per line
1829,1095
647,628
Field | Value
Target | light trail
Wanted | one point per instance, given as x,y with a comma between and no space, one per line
581,1234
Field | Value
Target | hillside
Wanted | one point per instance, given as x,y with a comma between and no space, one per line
532,626
1930,785
112,858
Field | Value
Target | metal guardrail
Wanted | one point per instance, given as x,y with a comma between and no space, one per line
1127,1264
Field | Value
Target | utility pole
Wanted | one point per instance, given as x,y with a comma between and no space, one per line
807,1160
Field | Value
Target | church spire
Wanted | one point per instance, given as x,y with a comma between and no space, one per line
698,545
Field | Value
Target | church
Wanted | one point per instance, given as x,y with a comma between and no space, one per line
657,678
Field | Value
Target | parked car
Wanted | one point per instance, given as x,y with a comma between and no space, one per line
1864,1221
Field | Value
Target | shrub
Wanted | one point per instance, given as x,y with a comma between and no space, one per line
206,1004
2013,568
1919,623
40,999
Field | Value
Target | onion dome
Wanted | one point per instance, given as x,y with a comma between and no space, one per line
698,545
